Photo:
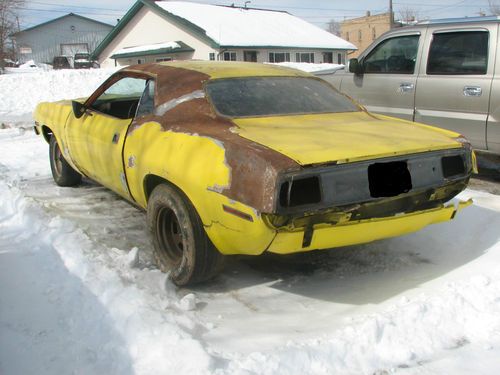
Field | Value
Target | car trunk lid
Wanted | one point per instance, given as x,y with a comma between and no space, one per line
342,137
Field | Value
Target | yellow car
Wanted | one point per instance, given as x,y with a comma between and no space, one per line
244,158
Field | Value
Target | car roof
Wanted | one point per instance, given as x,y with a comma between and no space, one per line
229,69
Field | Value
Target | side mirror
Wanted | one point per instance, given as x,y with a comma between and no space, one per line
78,109
355,66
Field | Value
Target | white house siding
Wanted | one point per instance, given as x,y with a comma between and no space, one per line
147,28
45,41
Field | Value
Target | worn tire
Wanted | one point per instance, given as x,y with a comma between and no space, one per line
181,246
62,172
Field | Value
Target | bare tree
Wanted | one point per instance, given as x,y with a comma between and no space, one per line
333,27
8,16
407,15
494,7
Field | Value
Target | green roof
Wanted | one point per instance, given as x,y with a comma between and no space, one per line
183,47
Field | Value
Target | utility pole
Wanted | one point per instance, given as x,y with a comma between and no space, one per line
391,15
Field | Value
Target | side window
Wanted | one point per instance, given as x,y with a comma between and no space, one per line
147,102
121,98
395,55
458,53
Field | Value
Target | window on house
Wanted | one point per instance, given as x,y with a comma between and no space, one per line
339,58
277,57
374,34
347,35
458,53
328,57
360,35
140,61
211,56
306,57
229,56
160,59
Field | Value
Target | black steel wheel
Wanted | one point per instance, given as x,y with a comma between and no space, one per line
181,246
62,172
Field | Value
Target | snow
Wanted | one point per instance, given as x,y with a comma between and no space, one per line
312,67
230,26
148,47
80,292
22,92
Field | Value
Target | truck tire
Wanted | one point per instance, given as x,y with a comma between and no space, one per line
62,172
181,246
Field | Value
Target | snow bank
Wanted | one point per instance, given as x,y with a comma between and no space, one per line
311,67
22,92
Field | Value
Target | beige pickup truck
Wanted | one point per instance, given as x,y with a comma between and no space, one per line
443,72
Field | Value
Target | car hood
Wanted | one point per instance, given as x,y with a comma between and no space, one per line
343,137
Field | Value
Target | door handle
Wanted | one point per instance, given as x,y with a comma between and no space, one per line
116,137
406,87
472,91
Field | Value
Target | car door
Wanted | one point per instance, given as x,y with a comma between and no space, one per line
388,78
454,85
96,139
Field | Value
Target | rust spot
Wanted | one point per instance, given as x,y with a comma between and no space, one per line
131,161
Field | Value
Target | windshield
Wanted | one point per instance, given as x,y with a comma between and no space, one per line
268,96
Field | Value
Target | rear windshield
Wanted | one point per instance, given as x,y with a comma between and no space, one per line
268,96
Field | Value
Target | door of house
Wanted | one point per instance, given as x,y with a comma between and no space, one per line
250,56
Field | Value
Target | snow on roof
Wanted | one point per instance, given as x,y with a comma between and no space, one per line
148,47
232,26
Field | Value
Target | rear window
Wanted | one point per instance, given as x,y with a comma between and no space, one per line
271,96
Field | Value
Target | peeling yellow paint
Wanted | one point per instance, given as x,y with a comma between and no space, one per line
192,163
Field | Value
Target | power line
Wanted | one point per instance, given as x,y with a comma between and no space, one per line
66,11
76,6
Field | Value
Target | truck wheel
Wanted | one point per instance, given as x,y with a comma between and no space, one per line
181,246
62,172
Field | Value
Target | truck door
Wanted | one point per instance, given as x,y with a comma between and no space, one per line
493,124
388,81
454,84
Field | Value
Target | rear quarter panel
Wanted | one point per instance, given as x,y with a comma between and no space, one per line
196,165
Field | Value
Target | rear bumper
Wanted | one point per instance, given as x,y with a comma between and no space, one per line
362,231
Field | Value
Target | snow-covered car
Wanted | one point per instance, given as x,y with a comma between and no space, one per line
245,158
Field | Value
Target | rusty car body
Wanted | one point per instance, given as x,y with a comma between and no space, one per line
245,158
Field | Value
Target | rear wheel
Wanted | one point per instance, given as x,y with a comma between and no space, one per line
181,246
62,172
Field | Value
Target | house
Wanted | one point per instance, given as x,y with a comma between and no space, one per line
65,35
362,31
173,30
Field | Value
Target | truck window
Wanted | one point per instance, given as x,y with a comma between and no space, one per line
464,52
396,55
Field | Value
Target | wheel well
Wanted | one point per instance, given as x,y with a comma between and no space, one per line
47,133
151,181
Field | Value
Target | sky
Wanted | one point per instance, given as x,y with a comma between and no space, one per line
318,12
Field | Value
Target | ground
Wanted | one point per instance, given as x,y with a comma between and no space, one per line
79,291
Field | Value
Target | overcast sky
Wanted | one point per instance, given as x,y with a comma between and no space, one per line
318,12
